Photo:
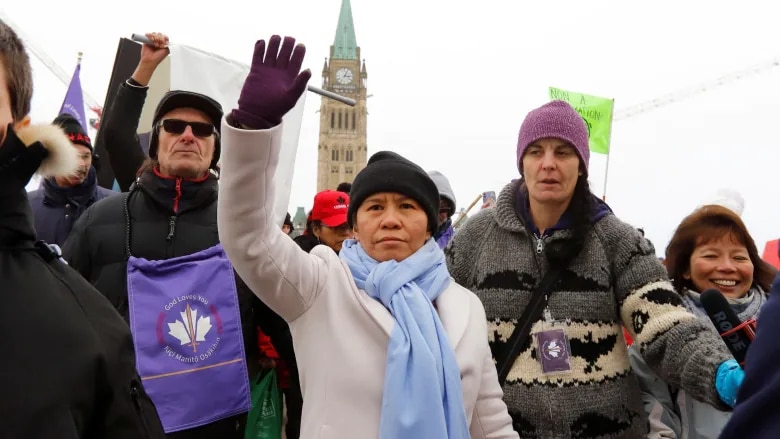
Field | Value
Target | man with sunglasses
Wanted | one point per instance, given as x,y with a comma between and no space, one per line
155,253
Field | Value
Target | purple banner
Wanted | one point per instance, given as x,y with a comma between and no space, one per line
74,100
186,328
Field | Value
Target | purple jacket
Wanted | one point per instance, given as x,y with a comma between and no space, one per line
444,235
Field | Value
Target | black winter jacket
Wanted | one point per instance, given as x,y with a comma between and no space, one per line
56,208
68,367
170,218
153,206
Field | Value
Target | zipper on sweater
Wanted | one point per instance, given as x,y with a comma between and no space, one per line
171,228
135,395
539,244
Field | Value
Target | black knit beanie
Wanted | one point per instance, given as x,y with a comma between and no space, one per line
74,130
389,172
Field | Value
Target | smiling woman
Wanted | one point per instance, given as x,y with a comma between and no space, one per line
711,248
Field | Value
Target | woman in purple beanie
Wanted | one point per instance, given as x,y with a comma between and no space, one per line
560,276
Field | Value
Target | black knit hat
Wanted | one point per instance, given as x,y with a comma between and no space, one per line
73,129
180,99
389,172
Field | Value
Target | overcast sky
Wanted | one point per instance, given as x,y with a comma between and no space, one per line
453,80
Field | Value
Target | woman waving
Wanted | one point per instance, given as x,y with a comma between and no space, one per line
387,344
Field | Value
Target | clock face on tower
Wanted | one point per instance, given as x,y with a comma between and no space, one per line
344,76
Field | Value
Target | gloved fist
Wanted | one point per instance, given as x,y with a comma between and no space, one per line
728,380
274,84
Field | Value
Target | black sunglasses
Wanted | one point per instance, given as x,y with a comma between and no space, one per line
176,126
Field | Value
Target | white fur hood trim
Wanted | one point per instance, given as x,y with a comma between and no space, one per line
63,158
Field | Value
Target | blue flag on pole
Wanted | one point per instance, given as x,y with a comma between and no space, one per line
74,99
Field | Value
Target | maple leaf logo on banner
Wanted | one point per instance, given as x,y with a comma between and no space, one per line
191,329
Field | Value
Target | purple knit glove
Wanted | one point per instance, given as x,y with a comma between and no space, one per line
274,84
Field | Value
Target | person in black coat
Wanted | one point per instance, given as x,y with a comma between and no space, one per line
60,201
756,413
68,368
169,214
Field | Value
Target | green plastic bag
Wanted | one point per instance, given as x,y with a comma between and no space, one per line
265,418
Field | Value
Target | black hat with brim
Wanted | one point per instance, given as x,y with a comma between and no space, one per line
180,99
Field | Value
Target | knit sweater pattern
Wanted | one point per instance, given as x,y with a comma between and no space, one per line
615,280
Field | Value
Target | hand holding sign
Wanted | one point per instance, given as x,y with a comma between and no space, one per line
153,52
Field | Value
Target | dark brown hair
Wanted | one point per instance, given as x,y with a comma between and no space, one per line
18,74
148,165
581,207
705,224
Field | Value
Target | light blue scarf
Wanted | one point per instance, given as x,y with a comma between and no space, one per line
422,394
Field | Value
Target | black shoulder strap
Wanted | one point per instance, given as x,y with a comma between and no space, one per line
531,314
49,252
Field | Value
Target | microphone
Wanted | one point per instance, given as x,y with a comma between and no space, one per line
735,333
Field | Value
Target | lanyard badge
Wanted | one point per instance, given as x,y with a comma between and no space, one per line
552,347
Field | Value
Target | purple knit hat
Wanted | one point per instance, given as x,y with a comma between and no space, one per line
554,119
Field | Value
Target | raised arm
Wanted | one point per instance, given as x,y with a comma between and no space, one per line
283,276
119,127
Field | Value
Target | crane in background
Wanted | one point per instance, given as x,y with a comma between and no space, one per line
690,92
621,114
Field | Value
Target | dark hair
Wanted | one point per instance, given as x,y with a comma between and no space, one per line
307,240
148,165
705,224
344,187
309,229
18,73
580,209
561,252
311,224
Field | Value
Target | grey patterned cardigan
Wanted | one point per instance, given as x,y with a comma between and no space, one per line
615,280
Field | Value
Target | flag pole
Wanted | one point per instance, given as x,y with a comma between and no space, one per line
143,39
609,150
81,55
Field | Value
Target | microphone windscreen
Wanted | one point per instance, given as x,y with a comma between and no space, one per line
724,318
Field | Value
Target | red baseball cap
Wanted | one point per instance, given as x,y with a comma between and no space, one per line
330,208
